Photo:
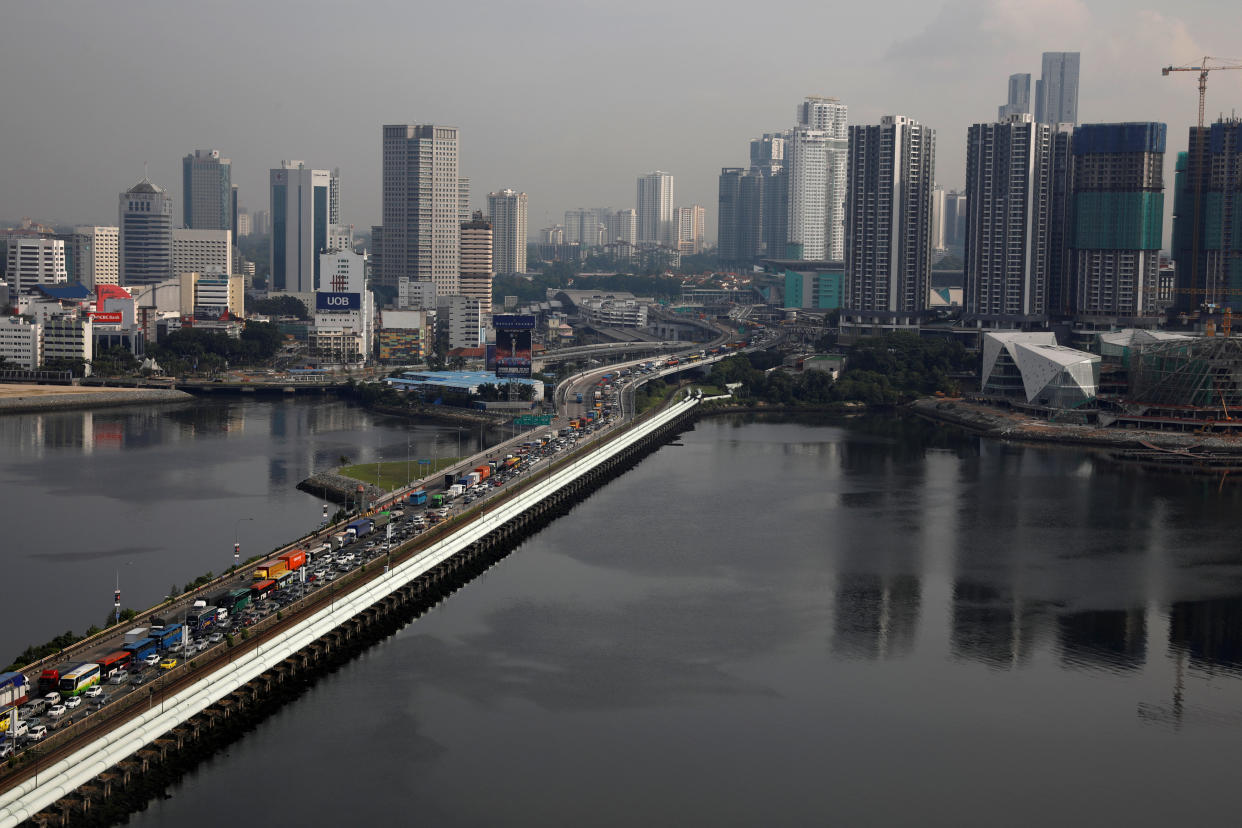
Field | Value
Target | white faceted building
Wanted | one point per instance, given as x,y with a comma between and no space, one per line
1031,366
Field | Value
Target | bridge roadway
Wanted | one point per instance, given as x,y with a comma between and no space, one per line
28,790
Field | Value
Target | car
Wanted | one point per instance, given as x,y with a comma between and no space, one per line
73,702
119,677
215,638
151,660
138,680
93,692
168,663
6,750
20,729
56,711
36,733
30,709
52,698
99,701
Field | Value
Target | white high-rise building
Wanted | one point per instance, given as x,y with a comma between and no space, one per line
344,310
655,209
816,154
145,240
421,206
507,214
1056,91
209,252
92,255
301,215
690,221
892,169
35,261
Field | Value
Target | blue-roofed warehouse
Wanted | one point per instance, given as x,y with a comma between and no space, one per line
456,387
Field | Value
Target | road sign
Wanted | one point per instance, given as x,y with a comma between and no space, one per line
533,420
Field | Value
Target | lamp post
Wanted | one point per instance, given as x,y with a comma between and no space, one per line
237,541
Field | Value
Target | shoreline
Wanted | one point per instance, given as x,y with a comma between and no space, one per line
26,399
1011,425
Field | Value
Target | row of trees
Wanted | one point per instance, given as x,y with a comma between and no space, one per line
195,350
883,370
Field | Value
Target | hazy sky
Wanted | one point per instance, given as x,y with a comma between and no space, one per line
566,100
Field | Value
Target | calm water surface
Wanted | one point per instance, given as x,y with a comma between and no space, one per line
864,622
157,496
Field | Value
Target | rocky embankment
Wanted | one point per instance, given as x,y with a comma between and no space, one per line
339,488
20,399
1016,425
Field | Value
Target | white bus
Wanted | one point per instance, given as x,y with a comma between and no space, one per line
77,680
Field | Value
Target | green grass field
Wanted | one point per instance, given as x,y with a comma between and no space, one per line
393,475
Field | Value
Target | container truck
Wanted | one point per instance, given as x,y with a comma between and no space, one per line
484,471
381,520
449,480
271,569
360,528
339,540
294,559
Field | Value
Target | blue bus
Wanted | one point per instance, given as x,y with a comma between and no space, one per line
141,649
168,637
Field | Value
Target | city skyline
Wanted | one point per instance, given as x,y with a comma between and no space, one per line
931,66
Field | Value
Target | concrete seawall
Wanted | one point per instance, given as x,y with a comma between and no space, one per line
22,399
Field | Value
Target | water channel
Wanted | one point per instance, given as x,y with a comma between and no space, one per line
772,622
153,497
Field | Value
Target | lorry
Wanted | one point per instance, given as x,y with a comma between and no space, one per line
359,528
136,634
271,570
484,471
49,680
339,539
294,559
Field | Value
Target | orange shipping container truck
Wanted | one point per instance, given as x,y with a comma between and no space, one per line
295,559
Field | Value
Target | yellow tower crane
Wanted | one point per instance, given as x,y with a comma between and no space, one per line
1209,64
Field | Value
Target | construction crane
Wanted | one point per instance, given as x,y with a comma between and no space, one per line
1203,69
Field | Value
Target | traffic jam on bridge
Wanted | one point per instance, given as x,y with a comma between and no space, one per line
32,707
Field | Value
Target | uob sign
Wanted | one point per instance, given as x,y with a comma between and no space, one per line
338,301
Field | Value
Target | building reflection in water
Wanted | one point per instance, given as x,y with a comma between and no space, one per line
1116,639
1210,631
876,616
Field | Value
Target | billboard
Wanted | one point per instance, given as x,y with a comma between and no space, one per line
338,301
100,318
512,353
513,322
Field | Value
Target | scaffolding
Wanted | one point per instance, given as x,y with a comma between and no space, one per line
1200,378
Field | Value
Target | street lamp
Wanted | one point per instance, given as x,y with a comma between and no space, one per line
237,541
